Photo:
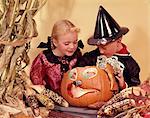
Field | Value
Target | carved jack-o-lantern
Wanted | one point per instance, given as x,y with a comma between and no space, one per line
82,86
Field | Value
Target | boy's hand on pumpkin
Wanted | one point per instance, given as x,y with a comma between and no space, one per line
120,78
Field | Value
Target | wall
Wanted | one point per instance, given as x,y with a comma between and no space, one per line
129,13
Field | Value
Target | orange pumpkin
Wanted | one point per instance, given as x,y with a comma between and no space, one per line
83,86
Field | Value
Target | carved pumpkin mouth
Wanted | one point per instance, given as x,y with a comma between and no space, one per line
77,91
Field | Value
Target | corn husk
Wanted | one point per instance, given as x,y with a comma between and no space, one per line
17,28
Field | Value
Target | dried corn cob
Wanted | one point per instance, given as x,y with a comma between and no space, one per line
117,107
33,103
122,95
55,97
45,101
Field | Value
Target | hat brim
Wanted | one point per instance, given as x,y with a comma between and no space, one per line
93,41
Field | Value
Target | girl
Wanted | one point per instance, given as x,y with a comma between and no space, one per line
62,53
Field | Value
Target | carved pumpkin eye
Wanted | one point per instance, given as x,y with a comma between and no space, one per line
73,74
89,73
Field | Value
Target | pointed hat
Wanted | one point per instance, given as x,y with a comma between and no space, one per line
106,29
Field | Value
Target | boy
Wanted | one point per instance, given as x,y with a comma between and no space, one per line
107,37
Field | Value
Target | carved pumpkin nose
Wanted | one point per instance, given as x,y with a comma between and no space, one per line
77,82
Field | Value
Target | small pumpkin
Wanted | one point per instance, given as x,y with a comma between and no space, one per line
83,86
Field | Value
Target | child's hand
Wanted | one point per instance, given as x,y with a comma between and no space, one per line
72,63
120,78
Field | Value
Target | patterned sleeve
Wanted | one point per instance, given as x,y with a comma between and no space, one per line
37,72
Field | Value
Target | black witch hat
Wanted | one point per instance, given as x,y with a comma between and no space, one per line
106,29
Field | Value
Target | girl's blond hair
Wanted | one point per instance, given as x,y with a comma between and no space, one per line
62,27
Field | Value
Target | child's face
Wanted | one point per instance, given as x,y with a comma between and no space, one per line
66,44
109,49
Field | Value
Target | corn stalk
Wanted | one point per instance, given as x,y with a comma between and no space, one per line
17,28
